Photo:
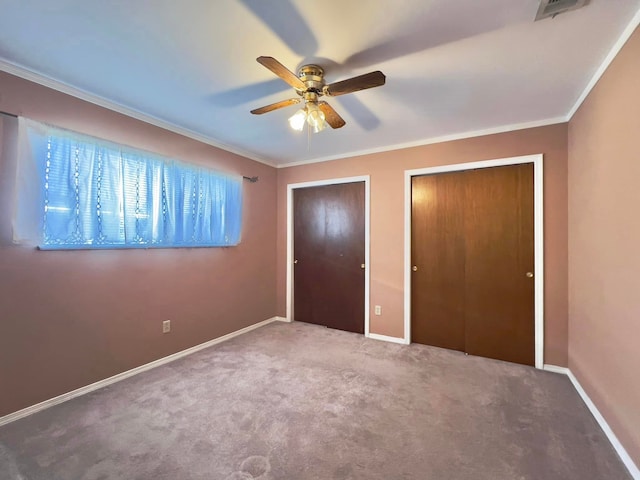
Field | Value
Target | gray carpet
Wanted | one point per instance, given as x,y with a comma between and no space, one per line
297,401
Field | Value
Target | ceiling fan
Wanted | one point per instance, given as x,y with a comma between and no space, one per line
309,84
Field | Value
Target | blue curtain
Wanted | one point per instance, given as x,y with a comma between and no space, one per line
95,194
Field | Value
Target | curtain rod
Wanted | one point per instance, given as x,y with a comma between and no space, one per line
9,114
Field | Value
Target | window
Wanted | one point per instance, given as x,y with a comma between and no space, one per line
76,191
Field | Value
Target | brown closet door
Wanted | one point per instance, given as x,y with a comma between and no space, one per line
472,245
499,253
329,231
437,246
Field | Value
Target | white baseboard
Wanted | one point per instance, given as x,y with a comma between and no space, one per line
12,417
556,369
620,450
386,338
281,319
624,456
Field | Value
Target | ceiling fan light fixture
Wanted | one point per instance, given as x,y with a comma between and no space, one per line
296,121
318,125
315,118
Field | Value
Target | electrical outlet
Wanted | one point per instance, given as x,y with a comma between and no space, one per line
166,326
377,310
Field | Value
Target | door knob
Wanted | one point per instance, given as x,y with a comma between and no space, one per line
295,261
529,274
414,268
362,266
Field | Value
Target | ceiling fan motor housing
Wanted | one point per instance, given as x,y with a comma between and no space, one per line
313,78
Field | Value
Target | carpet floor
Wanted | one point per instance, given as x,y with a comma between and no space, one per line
297,401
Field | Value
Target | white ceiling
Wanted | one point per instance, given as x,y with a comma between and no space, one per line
453,67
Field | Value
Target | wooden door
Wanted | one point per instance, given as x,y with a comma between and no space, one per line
473,246
438,253
329,254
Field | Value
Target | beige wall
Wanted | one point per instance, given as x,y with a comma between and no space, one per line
604,242
387,222
70,318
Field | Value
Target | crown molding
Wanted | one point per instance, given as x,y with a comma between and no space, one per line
46,81
432,140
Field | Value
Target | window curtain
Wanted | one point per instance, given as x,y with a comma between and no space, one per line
76,191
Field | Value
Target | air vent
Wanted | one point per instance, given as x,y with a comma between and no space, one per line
551,8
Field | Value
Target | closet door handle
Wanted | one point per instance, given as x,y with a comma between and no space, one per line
529,274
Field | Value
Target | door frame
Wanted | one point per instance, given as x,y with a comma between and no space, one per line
367,209
538,209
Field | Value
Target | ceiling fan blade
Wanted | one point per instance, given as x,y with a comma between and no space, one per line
361,82
276,106
283,72
331,116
